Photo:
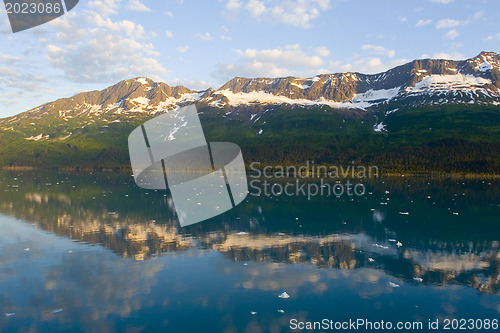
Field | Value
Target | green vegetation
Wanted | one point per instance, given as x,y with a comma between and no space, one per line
444,138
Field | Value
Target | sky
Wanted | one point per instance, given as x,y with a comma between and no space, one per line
204,43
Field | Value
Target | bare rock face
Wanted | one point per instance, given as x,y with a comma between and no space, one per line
420,82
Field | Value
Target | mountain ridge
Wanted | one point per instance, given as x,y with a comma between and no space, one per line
472,79
422,109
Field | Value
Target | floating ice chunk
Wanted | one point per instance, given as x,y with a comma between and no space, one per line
57,311
371,259
398,244
393,285
284,295
253,313
241,233
418,279
381,246
281,311
392,240
10,314
27,249
455,213
404,213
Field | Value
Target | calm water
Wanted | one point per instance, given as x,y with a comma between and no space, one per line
94,253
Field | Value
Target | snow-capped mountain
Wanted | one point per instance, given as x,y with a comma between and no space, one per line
475,80
418,82
346,112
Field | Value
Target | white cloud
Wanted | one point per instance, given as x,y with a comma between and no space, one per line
298,13
204,36
6,58
169,14
403,18
182,49
452,34
478,15
105,7
104,50
456,45
377,49
137,6
225,32
336,66
422,23
322,51
197,85
233,5
290,60
494,37
19,86
129,28
255,7
448,56
447,23
169,34
444,2
375,65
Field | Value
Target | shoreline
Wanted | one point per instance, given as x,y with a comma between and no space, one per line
277,175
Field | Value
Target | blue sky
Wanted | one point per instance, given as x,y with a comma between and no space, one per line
204,43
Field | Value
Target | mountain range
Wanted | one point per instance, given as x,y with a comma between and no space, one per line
426,115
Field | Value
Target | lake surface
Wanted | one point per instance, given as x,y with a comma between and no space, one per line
95,253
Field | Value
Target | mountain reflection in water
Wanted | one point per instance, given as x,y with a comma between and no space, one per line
425,231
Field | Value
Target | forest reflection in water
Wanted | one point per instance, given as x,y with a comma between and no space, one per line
437,231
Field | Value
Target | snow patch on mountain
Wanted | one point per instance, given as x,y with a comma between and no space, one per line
142,80
65,137
38,137
485,66
380,127
391,111
376,95
301,86
448,82
236,99
140,100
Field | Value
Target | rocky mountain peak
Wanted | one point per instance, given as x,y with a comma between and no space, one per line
423,81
